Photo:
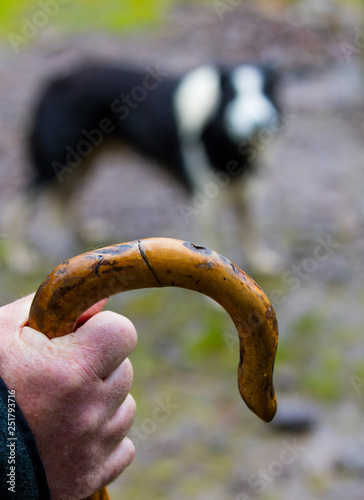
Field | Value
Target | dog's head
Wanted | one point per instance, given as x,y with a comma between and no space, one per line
248,101
229,110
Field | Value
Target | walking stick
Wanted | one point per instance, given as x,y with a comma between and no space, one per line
80,282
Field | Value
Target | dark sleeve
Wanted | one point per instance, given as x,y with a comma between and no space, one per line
22,475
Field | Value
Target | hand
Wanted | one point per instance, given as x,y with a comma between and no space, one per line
74,393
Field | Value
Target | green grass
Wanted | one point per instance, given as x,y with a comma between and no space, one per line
301,343
23,20
321,353
79,15
358,369
326,381
179,327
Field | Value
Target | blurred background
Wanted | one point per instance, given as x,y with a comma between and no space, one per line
195,438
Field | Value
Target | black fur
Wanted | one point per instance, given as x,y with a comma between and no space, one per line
79,101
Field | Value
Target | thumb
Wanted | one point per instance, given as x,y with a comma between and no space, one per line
17,316
103,339
103,342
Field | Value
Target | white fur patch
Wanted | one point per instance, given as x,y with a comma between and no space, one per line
251,109
196,99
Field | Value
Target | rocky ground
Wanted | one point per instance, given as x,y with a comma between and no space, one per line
310,208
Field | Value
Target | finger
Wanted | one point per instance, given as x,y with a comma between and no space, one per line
96,308
116,429
118,461
102,343
15,315
117,386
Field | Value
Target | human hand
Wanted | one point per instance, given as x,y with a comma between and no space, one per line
74,393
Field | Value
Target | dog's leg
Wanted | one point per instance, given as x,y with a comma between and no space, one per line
78,228
19,255
242,194
39,224
195,103
62,218
203,211
222,210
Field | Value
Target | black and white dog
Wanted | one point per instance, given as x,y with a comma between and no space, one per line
196,124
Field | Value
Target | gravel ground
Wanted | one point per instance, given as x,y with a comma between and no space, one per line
311,203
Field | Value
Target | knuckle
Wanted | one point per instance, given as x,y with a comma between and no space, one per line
120,331
89,421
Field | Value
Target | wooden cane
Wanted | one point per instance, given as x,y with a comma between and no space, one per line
80,282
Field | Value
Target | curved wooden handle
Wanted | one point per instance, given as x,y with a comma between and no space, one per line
80,282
